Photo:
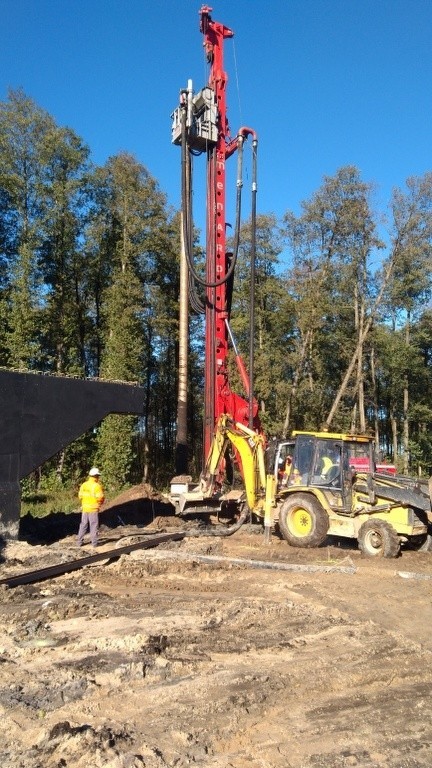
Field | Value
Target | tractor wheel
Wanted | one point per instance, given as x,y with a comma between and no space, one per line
376,538
302,521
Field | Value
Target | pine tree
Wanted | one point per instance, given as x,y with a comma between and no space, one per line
273,319
62,264
129,224
409,289
23,128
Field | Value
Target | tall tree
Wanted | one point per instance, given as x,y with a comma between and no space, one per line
130,223
332,242
23,128
410,287
62,191
273,318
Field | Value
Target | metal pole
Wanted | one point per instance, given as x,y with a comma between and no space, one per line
181,460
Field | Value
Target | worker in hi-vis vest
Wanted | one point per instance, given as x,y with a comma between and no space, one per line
91,496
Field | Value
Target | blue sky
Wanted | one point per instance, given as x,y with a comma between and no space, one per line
323,82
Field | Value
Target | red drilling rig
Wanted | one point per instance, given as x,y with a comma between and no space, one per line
200,126
308,500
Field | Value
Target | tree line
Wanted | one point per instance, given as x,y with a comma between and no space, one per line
89,286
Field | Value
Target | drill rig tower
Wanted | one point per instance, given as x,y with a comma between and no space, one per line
200,125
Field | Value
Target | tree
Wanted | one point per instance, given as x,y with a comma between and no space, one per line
23,128
129,227
273,318
332,242
62,192
410,286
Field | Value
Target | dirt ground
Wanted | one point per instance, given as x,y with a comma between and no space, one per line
184,656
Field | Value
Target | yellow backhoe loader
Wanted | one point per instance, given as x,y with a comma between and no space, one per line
310,489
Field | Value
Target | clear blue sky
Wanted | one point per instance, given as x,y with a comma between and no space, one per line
323,82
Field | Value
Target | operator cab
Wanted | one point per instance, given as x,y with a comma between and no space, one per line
330,462
317,462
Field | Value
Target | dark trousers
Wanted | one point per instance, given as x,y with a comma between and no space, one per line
89,520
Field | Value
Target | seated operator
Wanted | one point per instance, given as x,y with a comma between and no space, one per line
327,464
286,471
330,468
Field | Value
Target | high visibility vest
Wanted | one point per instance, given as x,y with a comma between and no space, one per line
327,464
91,495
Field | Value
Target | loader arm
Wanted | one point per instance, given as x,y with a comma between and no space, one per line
249,449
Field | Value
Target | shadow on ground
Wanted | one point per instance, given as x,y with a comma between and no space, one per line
58,525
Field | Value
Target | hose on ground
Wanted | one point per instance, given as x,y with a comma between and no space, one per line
207,531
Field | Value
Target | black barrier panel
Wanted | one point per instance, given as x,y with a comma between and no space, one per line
10,505
40,415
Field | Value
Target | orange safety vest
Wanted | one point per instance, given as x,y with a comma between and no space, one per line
91,495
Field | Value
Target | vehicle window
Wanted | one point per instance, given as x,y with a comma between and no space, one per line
284,462
302,461
327,464
359,456
286,449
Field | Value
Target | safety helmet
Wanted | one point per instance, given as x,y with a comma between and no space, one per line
94,472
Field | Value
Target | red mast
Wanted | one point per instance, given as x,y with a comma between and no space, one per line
200,125
218,396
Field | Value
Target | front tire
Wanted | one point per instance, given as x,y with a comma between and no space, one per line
302,521
377,538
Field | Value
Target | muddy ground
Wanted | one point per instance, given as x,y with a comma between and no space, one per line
181,655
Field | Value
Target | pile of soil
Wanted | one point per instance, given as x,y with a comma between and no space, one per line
136,493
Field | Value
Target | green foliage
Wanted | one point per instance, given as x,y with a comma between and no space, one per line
115,452
136,312
46,501
89,284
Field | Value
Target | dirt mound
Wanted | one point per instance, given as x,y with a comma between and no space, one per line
142,491
138,505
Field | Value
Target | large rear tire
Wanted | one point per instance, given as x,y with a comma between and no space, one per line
377,538
302,521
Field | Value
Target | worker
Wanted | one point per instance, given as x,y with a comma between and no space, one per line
286,470
327,464
331,465
295,477
91,496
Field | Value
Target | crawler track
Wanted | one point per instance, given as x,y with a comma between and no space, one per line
52,571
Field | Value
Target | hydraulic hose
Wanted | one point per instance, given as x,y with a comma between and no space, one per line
252,284
220,532
195,301
186,188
